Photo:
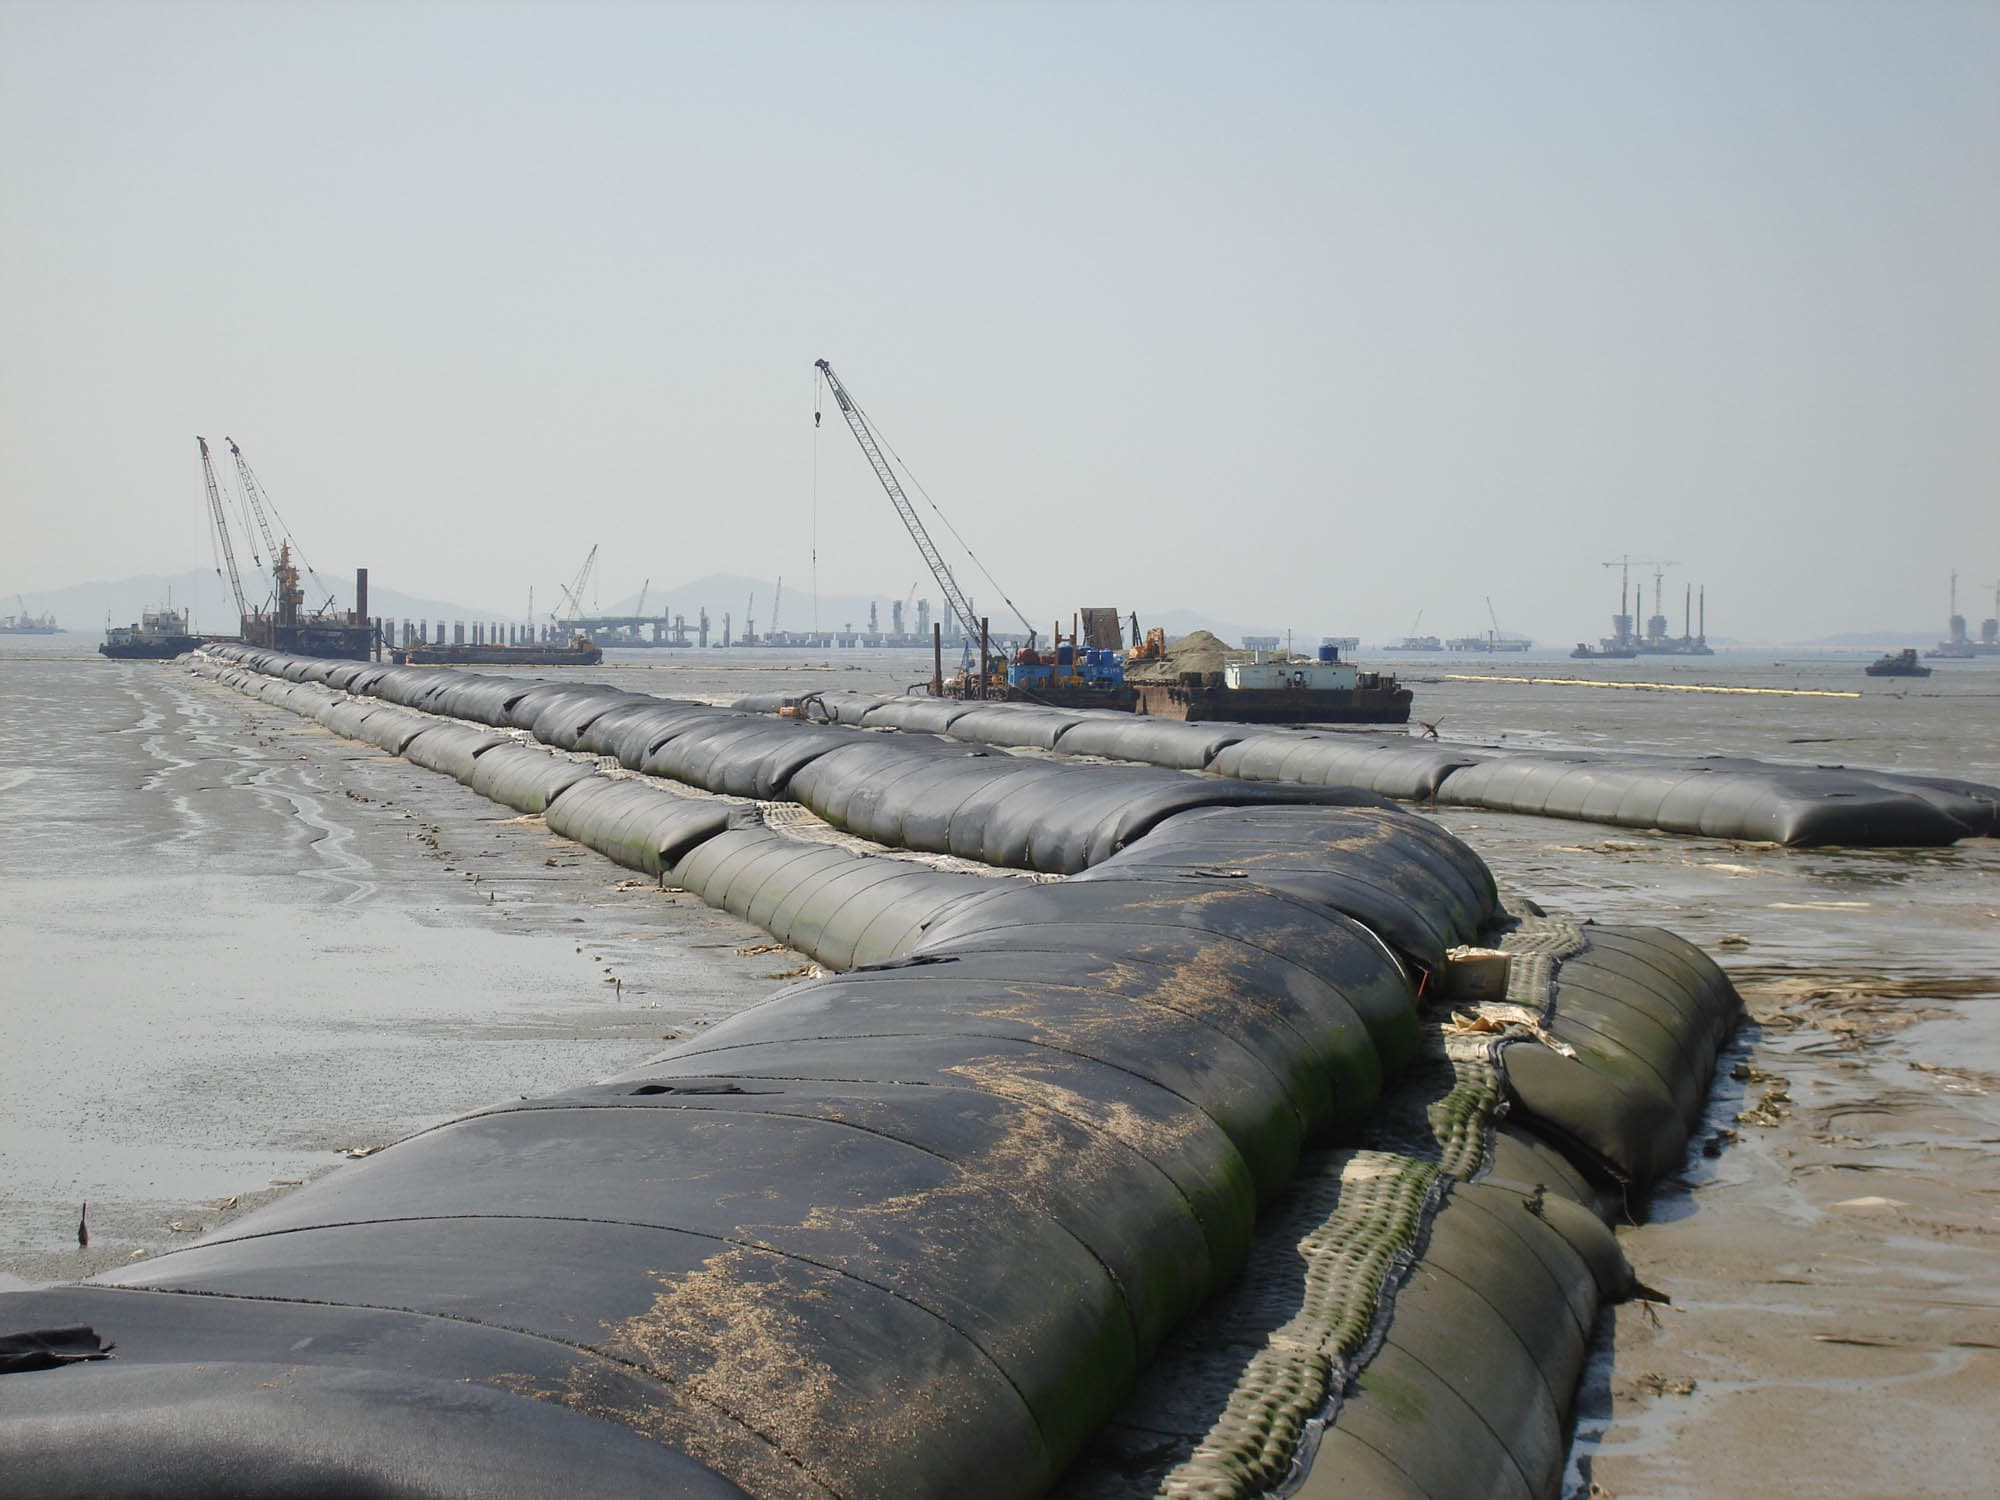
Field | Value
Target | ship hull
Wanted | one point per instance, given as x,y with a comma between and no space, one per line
497,656
162,648
1203,704
1050,696
325,638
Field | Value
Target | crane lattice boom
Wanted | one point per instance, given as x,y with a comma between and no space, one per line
912,522
253,497
221,521
574,592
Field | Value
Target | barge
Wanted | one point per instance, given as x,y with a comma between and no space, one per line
1278,691
346,636
580,651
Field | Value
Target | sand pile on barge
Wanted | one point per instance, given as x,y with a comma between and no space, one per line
1198,651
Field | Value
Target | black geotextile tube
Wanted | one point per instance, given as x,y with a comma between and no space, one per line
533,697
765,703
638,826
1647,1014
1098,1077
838,907
632,734
1221,924
1159,742
1014,724
1395,766
750,756
916,715
564,717
1469,1393
525,777
1714,797
1007,810
212,1398
452,748
840,706
1707,796
1407,879
823,1280
381,724
1971,803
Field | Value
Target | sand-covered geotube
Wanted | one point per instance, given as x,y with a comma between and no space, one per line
1161,1178
1708,796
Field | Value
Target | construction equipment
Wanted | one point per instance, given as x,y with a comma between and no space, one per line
253,501
257,501
777,598
954,597
227,552
644,589
573,593
1625,566
1151,649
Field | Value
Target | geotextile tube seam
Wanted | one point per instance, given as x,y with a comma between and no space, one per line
914,1229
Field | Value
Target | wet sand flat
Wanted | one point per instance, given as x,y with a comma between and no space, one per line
237,947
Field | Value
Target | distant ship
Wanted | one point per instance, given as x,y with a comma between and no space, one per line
27,624
1492,640
1413,641
1902,663
160,635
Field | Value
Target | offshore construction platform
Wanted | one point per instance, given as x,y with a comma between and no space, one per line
287,625
1624,643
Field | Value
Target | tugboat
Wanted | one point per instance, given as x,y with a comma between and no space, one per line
160,635
1902,663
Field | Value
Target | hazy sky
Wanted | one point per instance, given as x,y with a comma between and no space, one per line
1316,314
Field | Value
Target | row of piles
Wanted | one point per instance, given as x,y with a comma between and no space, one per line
1711,796
915,1227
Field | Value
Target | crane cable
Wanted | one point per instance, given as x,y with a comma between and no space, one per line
817,392
883,439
